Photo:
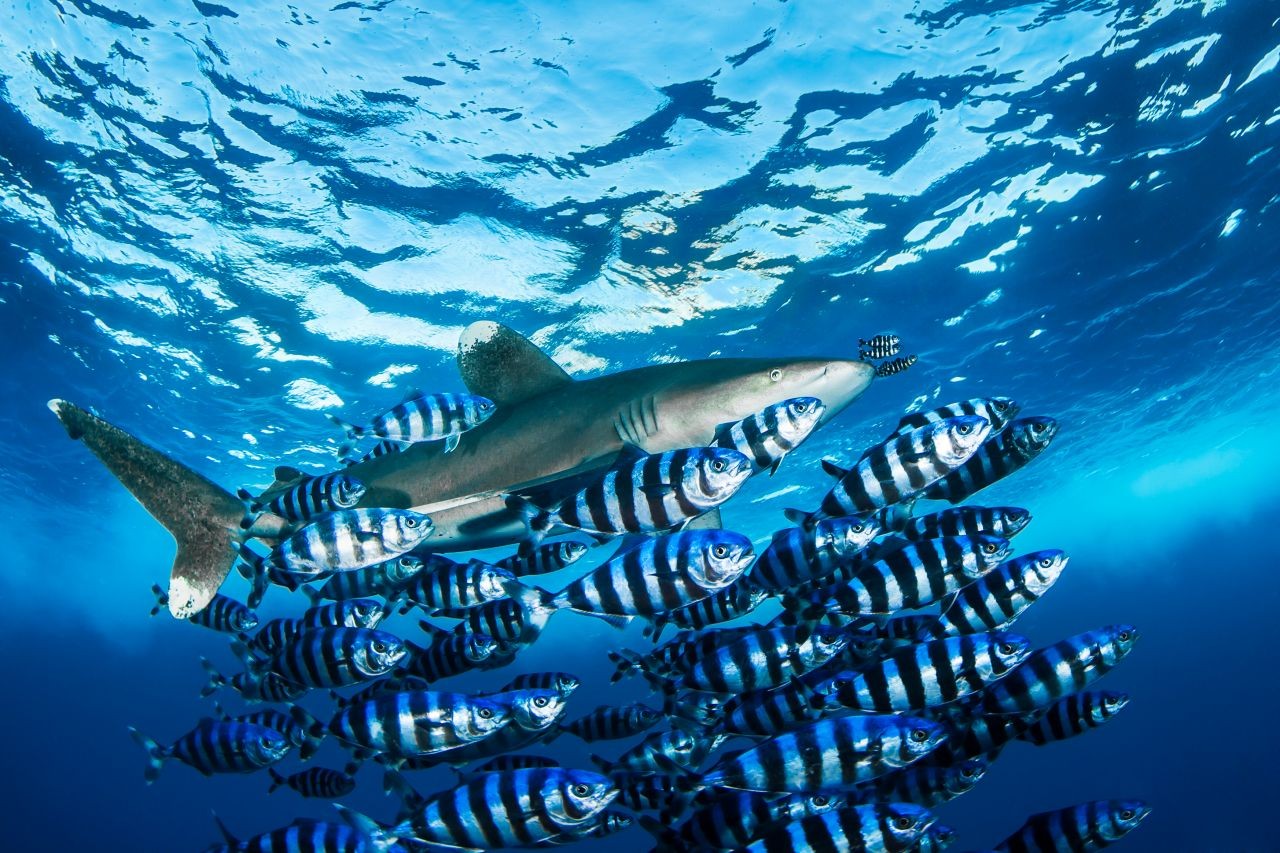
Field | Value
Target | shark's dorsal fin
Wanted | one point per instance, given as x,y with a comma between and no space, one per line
503,365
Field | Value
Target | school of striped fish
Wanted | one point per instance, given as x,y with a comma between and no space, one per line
885,683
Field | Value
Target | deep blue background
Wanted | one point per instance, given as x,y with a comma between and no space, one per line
219,221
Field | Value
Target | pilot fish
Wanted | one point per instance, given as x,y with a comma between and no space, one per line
1005,452
769,435
214,746
423,417
304,498
1088,826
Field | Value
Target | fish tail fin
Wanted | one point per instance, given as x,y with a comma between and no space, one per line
162,598
800,518
251,507
313,596
155,754
276,780
313,731
200,514
538,521
380,837
657,625
627,663
231,840
606,766
351,431
216,679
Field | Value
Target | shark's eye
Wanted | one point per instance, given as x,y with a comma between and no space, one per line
775,374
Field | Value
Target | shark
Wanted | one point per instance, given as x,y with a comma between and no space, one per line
549,429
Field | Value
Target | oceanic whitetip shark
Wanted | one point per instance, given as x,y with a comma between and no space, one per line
548,426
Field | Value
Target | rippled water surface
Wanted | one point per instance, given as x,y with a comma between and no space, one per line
218,221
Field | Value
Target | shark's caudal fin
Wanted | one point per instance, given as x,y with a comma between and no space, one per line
503,365
201,515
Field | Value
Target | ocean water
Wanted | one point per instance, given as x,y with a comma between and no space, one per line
220,220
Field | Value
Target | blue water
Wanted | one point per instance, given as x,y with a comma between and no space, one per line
219,220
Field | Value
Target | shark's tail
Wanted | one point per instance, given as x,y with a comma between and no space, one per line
201,515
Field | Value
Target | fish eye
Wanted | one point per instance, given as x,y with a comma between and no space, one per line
968,772
801,407
919,735
989,548
903,822
1046,562
858,528
1123,635
717,465
484,713
540,702
580,790
720,551
1037,428
379,646
1126,814
1005,648
411,522
775,374
964,429
820,801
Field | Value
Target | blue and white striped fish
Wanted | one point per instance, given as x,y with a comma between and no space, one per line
1003,521
298,726
764,659
918,575
998,598
798,555
1075,714
1067,666
267,687
317,782
879,346
1076,829
423,417
358,835
724,820
300,498
513,622
330,657
660,574
769,435
562,682
449,654
273,635
971,735
353,613
1005,452
834,753
661,751
513,808
214,746
766,713
350,539
926,675
644,493
885,827
998,411
899,469
923,783
418,722
535,715
388,579
737,599
398,682
549,557
611,722
460,586
221,614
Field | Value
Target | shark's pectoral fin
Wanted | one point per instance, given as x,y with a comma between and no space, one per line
201,515
503,365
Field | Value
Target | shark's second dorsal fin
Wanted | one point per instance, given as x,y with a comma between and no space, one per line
503,365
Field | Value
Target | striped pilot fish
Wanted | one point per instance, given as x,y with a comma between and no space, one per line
317,782
880,346
513,622
660,574
769,435
897,365
918,575
561,682
221,614
358,835
1067,666
399,682
924,784
449,654
386,447
1002,454
214,746
417,722
348,613
387,579
884,827
610,722
1075,714
299,498
898,469
604,824
764,659
447,589
797,555
514,808
267,687
999,597
737,599
549,557
423,417
971,735
1003,521
765,713
662,752
935,839
997,410
298,726
725,819
1088,826
926,675
677,654
644,492
535,715
834,753
330,657
273,635
648,791
350,539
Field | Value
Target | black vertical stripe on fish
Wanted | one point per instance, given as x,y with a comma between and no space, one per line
1074,715
1067,666
897,365
1087,826
1011,449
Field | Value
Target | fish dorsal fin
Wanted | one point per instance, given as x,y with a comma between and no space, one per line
503,365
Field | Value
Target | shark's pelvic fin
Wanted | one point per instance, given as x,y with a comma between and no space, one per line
503,365
202,516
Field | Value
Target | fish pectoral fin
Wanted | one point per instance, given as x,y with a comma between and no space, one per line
834,470
707,521
614,620
503,365
451,442
658,490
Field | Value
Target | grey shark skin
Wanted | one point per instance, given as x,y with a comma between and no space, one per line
547,427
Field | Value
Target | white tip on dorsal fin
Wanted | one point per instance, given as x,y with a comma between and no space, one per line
503,365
